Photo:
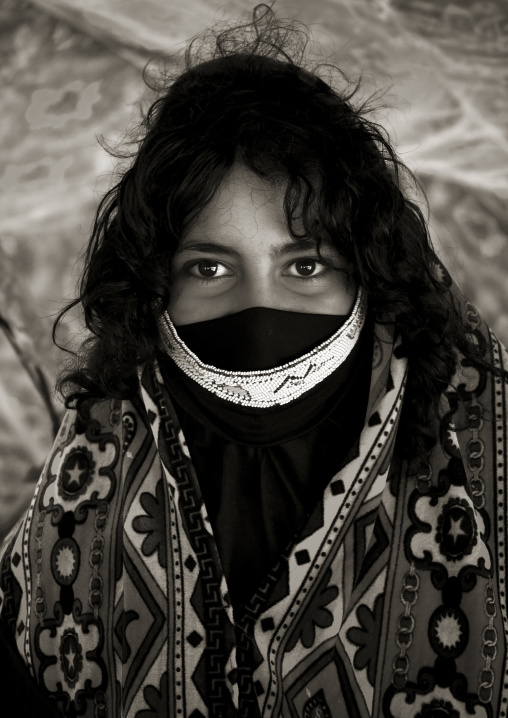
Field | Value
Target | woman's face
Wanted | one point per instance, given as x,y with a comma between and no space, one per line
239,254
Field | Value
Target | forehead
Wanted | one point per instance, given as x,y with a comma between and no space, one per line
243,204
246,218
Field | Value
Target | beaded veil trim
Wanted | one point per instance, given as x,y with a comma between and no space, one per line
269,387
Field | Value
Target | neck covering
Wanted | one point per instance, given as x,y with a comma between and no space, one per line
390,601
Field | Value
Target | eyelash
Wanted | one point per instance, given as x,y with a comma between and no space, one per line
210,280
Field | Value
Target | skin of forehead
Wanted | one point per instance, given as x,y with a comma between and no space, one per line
256,202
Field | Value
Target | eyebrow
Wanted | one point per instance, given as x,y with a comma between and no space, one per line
295,246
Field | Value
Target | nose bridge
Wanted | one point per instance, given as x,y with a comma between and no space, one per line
259,287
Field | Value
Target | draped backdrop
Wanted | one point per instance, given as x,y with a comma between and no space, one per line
72,71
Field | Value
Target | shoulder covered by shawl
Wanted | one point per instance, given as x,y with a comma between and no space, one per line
75,511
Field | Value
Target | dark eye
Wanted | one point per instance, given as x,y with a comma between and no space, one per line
305,267
207,268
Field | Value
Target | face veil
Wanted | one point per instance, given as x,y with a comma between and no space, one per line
259,338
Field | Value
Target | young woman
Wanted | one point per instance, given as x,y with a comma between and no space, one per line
280,487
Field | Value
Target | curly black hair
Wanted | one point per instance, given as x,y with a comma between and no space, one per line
250,99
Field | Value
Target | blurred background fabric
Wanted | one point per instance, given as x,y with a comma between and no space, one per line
71,71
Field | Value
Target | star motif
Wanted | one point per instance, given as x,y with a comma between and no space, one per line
448,631
455,530
65,562
71,657
75,475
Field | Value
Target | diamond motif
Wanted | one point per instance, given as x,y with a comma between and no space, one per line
267,624
366,555
233,676
258,688
302,557
16,559
337,487
196,714
21,628
190,563
194,639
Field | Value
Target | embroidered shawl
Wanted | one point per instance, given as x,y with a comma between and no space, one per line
390,602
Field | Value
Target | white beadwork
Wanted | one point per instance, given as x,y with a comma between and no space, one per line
269,387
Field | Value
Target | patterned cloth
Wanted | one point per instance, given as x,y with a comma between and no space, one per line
390,602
